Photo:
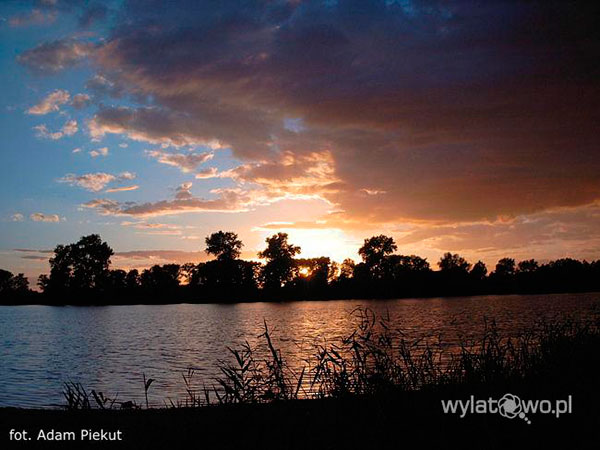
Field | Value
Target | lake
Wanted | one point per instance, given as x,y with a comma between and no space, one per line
108,348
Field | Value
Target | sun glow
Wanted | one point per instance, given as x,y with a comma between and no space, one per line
330,242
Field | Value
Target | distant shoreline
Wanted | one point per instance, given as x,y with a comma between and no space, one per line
80,273
281,300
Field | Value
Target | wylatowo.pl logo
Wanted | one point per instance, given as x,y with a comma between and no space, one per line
509,406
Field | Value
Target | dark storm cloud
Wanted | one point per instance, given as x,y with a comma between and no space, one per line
452,111
203,124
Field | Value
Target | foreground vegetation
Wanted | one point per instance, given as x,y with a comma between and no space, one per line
80,274
372,389
377,359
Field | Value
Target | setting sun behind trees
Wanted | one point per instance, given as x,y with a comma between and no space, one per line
81,273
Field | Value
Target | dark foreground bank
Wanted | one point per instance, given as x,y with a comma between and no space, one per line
412,419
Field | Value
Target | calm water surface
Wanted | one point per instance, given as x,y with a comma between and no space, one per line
108,348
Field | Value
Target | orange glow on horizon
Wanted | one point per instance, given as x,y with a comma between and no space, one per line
314,243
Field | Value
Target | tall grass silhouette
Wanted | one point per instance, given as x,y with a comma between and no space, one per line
376,360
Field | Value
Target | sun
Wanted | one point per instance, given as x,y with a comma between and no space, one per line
314,243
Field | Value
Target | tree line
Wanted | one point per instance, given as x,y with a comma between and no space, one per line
80,273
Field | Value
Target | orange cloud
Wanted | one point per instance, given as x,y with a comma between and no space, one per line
186,162
50,103
123,189
40,217
95,182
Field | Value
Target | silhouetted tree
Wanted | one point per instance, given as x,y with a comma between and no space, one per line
316,279
91,259
479,271
61,272
280,267
566,274
505,267
115,282
347,269
132,280
528,277
478,280
403,273
375,248
225,278
343,284
43,282
224,245
82,271
502,279
5,281
13,284
186,272
528,266
374,251
160,279
453,262
401,267
413,263
79,266
453,277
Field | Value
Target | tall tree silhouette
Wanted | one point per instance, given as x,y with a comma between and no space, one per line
453,262
347,269
13,284
319,271
79,266
226,276
132,280
160,279
503,277
90,258
409,263
225,245
505,267
453,277
374,251
528,266
528,276
479,271
280,267
375,248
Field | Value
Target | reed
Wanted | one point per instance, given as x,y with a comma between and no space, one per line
376,360
147,383
103,401
76,396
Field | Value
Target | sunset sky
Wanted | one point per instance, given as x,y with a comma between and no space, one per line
463,126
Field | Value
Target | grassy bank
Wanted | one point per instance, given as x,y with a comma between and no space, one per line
373,389
399,421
